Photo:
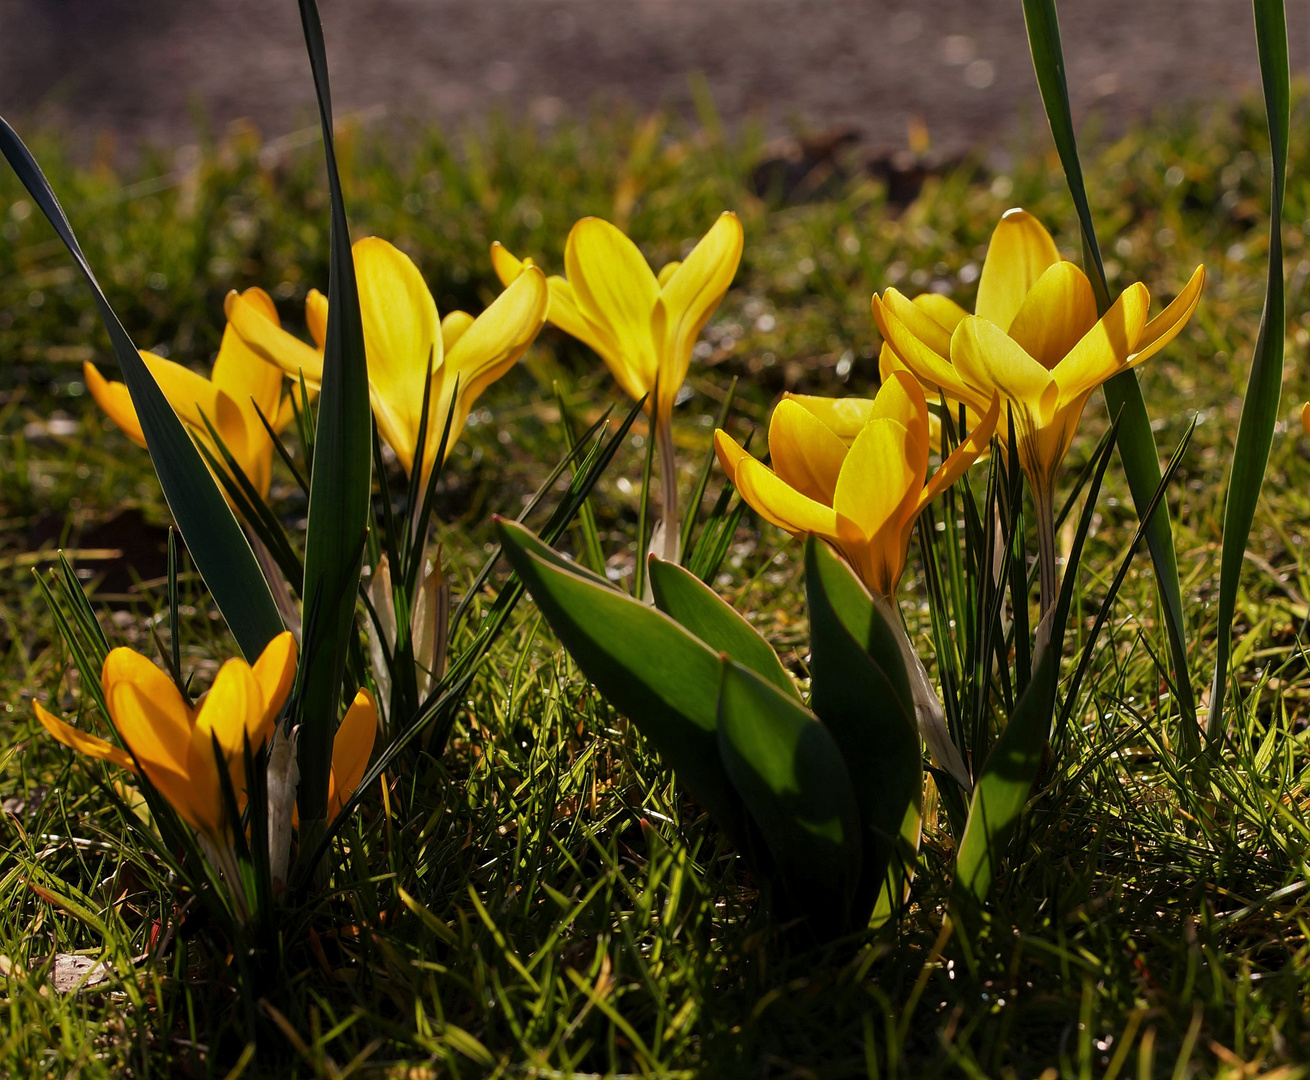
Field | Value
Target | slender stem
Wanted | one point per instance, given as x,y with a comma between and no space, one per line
672,532
1047,573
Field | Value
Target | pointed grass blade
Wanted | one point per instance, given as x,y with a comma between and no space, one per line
339,481
1123,395
217,545
1255,431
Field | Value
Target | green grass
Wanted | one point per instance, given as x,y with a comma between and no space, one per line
541,901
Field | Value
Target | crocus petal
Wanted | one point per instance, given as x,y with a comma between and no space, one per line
115,399
990,359
876,477
919,322
806,455
1165,327
615,289
900,400
777,502
931,369
844,417
964,455
1105,348
1019,253
729,452
82,742
274,344
667,271
453,326
197,794
506,265
351,749
688,297
402,337
242,373
1305,418
274,671
942,308
147,710
233,707
1058,310
316,312
486,350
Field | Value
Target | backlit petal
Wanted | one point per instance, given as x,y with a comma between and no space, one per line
1058,310
82,742
919,322
991,360
667,271
876,477
776,501
233,708
453,326
565,314
805,453
1105,348
615,289
1020,252
844,417
316,314
931,369
729,452
964,455
506,265
115,399
274,671
1165,327
273,343
147,710
351,749
900,399
242,373
942,308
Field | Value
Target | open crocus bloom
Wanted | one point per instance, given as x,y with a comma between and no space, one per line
178,747
403,339
1036,340
863,497
240,387
642,325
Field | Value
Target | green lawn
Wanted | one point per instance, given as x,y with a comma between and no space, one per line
542,900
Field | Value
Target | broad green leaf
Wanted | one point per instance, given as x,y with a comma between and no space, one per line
659,675
681,595
339,482
865,703
1123,395
215,540
1255,432
1005,782
790,774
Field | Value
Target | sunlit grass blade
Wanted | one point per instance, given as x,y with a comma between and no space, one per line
1123,395
590,537
1255,432
217,545
339,484
702,481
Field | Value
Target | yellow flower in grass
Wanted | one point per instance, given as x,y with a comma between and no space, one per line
864,495
643,325
240,387
1036,339
174,744
403,338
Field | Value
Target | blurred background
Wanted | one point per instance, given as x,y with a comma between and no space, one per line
149,69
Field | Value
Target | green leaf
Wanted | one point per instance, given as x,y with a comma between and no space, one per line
864,701
694,605
791,776
339,482
1006,779
217,545
659,675
1123,395
1255,432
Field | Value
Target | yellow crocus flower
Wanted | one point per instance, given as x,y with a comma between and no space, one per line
862,496
642,325
240,387
173,743
403,338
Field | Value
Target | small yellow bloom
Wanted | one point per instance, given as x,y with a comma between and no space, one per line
1035,339
174,744
864,495
1305,418
403,338
240,387
642,325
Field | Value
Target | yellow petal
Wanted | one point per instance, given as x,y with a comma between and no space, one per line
777,502
666,272
877,478
964,455
615,289
453,326
1305,418
401,338
991,360
274,671
844,417
351,749
316,313
688,298
273,343
729,452
1020,252
1105,348
565,314
806,455
1058,310
1165,327
486,350
942,308
919,322
900,400
147,710
115,399
197,795
931,369
234,706
242,373
507,267
82,742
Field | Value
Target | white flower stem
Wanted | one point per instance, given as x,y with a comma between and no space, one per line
667,539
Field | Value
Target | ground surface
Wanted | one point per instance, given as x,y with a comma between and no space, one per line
147,67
